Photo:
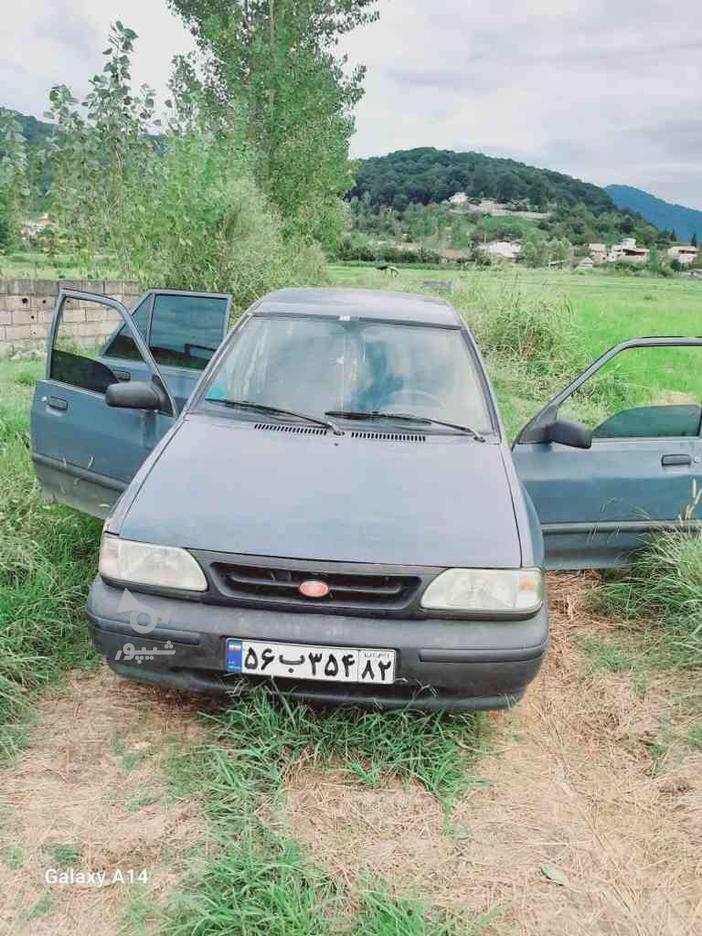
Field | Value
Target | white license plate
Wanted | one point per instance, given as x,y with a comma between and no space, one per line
302,661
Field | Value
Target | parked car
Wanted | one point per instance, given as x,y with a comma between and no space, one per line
326,497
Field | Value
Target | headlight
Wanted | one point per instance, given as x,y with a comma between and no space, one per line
489,590
144,564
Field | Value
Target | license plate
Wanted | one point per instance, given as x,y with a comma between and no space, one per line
302,661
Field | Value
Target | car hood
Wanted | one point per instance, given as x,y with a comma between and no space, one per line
224,485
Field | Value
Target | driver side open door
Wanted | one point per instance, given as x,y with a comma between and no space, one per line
601,491
85,451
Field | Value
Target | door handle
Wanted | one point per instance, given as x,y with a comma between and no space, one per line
122,375
57,403
669,461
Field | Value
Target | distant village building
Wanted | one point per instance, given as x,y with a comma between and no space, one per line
496,209
628,252
685,254
33,226
587,263
458,199
502,250
598,252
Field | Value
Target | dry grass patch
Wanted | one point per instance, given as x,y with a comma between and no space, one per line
572,791
88,793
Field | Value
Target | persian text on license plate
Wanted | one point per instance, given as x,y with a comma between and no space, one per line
301,661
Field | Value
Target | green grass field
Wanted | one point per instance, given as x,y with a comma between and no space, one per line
33,264
609,307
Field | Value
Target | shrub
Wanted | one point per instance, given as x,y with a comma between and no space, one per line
200,221
532,334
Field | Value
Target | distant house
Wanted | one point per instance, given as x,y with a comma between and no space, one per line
685,254
598,252
587,263
33,226
628,252
496,209
458,199
502,250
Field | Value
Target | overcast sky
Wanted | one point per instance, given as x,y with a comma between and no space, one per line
608,92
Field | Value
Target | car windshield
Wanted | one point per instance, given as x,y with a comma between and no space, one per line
316,365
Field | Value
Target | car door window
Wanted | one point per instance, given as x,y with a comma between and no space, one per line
186,330
643,392
81,327
121,344
181,329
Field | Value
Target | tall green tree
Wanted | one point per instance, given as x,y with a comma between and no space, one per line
102,151
278,63
13,179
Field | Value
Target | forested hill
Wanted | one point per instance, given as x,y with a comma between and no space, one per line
33,130
428,175
686,222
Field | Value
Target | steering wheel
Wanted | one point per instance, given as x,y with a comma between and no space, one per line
406,396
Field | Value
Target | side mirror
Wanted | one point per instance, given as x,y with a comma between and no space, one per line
135,395
567,432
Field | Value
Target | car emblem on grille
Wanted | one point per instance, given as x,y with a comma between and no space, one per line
314,589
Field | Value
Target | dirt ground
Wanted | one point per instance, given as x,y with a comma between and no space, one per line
89,787
578,824
571,791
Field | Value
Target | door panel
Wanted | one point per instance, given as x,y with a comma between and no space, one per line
86,452
644,469
182,329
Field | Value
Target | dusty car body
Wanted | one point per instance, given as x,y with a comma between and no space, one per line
378,542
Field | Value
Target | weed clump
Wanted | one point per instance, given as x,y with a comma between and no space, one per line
663,591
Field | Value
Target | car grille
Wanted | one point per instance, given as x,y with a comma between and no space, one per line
269,582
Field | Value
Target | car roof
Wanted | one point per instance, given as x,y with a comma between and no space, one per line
360,303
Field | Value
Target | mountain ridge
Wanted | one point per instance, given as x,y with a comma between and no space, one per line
685,221
427,175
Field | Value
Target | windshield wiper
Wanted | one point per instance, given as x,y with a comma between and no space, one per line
277,411
407,417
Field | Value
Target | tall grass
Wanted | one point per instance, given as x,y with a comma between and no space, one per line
532,344
663,593
47,560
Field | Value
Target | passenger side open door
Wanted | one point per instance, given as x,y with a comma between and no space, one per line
602,488
86,451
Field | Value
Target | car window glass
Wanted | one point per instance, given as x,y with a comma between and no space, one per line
314,364
186,330
80,332
121,344
650,392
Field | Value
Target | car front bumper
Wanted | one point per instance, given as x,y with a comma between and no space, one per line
441,664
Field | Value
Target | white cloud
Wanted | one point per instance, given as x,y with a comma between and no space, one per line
48,42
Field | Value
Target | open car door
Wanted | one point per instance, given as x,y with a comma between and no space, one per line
86,451
181,329
617,455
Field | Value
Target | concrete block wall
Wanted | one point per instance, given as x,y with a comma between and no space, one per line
27,307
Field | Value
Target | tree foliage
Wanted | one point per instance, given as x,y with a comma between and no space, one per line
428,175
410,186
177,209
276,63
14,190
